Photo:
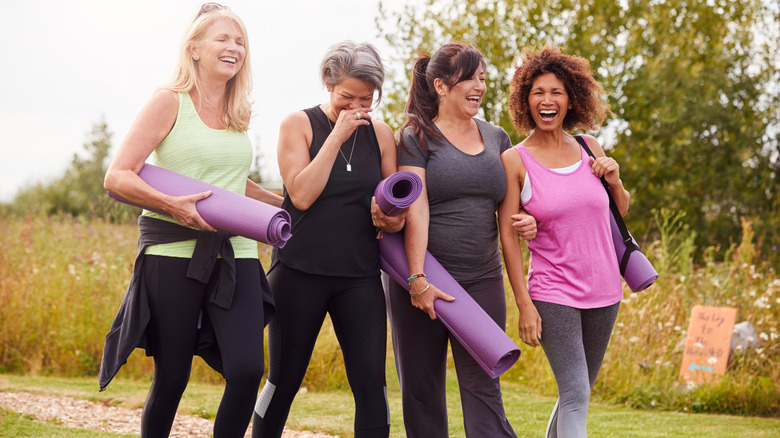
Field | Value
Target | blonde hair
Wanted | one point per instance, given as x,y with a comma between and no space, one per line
238,106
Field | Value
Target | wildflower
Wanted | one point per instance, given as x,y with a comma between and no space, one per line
620,324
715,282
72,269
652,403
761,303
677,328
773,336
698,345
633,339
764,336
712,360
752,293
682,279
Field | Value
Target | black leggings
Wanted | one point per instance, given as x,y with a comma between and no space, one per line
357,309
176,304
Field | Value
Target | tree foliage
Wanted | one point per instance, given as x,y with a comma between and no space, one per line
79,191
693,87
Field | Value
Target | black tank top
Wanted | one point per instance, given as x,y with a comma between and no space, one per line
336,236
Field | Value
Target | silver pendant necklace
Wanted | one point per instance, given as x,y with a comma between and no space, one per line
349,162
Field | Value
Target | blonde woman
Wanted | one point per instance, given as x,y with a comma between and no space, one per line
196,126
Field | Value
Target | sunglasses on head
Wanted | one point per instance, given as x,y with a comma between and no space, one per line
210,7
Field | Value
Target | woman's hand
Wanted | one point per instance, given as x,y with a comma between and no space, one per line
424,300
525,225
529,325
606,167
348,121
183,209
388,224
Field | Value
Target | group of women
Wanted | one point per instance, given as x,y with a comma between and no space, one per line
331,157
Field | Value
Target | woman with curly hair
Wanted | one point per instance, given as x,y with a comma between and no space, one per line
574,287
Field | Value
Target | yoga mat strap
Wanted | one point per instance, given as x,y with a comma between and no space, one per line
638,273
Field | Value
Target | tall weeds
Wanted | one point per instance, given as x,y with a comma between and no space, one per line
61,282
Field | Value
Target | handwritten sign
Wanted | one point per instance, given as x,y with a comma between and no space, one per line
707,344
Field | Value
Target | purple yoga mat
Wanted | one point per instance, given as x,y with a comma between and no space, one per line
487,343
464,318
639,274
397,192
224,210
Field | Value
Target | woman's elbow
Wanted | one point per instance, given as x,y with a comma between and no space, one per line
302,204
109,181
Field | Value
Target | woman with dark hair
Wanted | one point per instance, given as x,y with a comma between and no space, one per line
458,158
195,126
571,301
331,158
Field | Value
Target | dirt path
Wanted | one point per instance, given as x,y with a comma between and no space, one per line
103,417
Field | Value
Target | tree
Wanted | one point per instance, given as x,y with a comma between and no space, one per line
79,191
693,83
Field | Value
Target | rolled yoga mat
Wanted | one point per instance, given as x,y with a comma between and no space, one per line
397,192
487,343
224,210
639,273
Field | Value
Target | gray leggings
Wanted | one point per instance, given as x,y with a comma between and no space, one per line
574,341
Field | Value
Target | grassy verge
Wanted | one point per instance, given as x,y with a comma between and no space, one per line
22,426
331,411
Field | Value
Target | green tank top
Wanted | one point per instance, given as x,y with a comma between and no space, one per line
218,157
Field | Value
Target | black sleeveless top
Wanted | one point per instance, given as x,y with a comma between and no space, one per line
336,236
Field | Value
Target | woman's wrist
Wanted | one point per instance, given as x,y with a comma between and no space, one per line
418,286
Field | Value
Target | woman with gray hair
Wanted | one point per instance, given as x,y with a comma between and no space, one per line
331,157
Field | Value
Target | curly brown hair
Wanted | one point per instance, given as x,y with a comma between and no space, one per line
588,108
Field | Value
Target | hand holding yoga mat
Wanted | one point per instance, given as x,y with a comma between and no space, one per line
224,210
487,343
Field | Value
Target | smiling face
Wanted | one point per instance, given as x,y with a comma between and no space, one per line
465,96
221,52
548,102
350,93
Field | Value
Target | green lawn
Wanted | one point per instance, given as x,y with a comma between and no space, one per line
331,412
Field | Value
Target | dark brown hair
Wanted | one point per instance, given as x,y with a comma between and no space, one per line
452,63
588,109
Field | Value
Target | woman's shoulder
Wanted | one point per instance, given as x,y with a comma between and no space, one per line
594,145
295,118
381,128
164,98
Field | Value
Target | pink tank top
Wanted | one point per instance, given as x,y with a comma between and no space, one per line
573,261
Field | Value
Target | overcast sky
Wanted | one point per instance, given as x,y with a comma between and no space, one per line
69,64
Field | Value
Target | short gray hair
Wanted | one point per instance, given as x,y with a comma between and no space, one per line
348,59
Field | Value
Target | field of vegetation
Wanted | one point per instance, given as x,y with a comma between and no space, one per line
61,281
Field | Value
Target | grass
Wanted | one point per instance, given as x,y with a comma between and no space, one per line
61,281
331,411
22,426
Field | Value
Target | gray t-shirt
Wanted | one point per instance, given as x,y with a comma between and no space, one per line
463,193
